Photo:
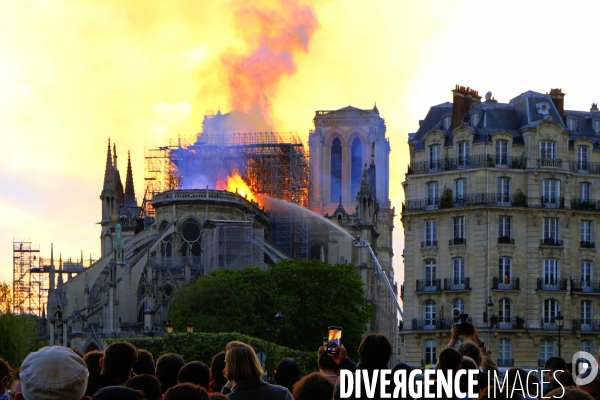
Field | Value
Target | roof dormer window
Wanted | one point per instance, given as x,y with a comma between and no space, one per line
571,123
446,123
474,119
596,126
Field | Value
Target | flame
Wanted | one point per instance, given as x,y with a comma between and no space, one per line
275,32
236,184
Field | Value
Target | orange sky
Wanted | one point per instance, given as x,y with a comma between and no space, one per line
74,73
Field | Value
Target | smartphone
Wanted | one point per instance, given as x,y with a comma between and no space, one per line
334,339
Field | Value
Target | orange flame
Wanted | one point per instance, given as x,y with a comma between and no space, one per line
236,184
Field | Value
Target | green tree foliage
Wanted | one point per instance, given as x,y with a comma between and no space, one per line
311,295
5,298
203,346
18,337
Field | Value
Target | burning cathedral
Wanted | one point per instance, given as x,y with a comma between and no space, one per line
228,200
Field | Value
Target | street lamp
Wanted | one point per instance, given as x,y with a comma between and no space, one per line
560,322
169,327
490,309
278,317
190,327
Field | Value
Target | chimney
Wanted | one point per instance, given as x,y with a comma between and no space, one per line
558,98
594,107
462,100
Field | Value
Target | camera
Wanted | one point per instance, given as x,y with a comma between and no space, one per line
464,327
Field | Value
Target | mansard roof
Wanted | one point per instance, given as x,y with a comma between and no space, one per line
514,117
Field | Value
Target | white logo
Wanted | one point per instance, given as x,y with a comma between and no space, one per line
590,362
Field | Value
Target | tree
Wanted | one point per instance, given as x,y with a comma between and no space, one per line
311,295
5,298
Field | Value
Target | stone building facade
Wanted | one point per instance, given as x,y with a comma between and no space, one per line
501,206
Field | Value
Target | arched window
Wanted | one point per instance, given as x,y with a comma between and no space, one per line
505,313
551,310
166,246
357,167
190,236
336,170
458,304
429,313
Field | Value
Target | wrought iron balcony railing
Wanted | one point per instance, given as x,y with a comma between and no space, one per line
586,324
549,162
584,167
506,240
457,242
586,244
548,323
552,202
429,243
426,324
505,284
473,199
551,284
478,161
505,362
585,286
401,291
584,204
456,284
551,242
429,285
507,322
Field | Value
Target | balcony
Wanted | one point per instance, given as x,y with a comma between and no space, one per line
429,285
552,285
457,242
505,284
456,284
426,324
508,322
585,286
473,199
447,164
479,161
552,202
584,204
402,291
551,242
506,240
548,324
429,243
511,162
584,167
549,162
586,324
586,244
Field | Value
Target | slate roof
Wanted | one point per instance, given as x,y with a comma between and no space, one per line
518,114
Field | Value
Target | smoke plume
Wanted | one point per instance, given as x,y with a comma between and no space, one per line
275,33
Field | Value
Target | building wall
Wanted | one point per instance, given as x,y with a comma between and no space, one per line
483,247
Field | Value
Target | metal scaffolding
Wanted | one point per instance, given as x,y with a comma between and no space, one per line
232,244
270,163
30,282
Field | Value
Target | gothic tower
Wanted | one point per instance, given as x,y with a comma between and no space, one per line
341,143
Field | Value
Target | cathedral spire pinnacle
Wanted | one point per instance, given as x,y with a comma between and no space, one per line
115,155
129,189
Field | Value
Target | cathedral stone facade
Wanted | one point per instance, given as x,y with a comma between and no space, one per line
193,232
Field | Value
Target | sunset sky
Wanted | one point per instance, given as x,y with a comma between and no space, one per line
74,73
